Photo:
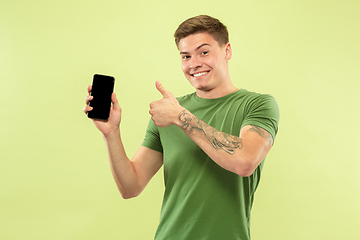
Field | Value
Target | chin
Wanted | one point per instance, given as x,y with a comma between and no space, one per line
203,88
199,85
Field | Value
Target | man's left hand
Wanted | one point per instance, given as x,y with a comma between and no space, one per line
166,111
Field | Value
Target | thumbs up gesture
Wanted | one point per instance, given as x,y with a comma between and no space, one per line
166,111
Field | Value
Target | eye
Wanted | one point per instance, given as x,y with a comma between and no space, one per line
204,53
185,57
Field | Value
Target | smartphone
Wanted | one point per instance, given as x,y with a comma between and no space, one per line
102,88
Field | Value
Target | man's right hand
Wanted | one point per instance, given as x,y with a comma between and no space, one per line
112,124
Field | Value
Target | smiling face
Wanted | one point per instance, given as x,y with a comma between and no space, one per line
205,64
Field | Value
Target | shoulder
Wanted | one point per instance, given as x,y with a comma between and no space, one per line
254,95
187,97
261,106
255,99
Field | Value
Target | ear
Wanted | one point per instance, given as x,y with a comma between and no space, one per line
228,51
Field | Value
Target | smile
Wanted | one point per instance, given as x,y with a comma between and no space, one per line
199,74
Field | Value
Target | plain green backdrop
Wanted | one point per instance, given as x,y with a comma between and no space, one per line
55,182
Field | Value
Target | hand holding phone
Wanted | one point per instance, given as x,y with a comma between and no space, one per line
102,88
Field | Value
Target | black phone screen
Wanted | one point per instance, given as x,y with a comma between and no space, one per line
102,88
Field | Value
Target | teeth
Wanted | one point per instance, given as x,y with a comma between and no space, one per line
200,74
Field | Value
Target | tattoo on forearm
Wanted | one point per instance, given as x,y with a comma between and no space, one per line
217,139
262,132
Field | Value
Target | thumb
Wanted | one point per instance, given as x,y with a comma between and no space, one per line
161,89
115,102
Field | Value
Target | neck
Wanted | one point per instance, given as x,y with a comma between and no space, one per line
217,92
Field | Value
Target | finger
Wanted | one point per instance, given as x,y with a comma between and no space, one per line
115,102
89,89
87,109
161,89
88,99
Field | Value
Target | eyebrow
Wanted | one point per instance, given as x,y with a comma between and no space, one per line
204,44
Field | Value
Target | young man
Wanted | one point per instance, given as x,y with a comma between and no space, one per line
212,142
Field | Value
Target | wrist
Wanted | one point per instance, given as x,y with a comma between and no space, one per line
113,133
183,114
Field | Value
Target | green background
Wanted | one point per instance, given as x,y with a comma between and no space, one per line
55,181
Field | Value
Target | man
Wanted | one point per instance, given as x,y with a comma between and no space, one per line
212,142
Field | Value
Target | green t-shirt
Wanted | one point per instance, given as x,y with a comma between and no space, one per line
203,201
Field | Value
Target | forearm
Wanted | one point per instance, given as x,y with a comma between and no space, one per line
224,149
122,168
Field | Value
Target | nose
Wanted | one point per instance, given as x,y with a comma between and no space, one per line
195,63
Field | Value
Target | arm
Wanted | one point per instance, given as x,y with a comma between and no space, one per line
239,154
130,175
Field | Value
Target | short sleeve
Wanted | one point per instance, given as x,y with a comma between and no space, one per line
263,111
152,137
